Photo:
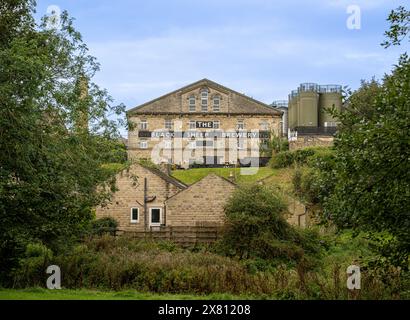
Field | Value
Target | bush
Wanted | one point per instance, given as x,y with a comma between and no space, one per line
124,263
308,156
256,227
104,225
33,265
282,160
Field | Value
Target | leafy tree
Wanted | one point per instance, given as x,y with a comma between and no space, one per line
370,175
399,27
56,131
372,169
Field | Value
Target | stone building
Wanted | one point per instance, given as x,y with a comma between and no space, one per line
202,203
202,123
139,202
147,199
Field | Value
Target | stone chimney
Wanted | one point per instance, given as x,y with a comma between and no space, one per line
81,116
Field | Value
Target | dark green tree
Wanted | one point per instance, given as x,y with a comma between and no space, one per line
57,128
372,148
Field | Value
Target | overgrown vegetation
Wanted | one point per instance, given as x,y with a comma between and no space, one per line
56,131
122,263
256,228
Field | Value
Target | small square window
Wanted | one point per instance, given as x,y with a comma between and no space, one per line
216,124
143,125
192,124
264,126
134,215
240,125
168,124
167,144
155,216
143,144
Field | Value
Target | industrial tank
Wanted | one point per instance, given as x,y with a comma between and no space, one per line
293,110
308,113
330,96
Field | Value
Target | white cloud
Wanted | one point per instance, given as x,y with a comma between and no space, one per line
261,61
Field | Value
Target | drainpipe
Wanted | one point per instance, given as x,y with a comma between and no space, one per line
145,205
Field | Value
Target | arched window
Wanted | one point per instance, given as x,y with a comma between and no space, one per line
192,107
204,100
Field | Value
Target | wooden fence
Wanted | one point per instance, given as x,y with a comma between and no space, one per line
184,235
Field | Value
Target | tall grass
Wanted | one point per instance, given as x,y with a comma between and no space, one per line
122,263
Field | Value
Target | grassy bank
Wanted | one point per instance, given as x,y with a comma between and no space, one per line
242,175
66,294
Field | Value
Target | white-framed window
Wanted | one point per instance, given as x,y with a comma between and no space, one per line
167,144
192,124
264,126
217,104
217,124
143,144
168,124
204,100
143,125
240,125
192,144
135,215
192,107
155,217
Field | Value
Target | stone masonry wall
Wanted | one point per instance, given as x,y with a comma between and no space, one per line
200,204
310,141
131,195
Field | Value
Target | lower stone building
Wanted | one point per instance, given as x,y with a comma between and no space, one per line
148,199
200,204
139,202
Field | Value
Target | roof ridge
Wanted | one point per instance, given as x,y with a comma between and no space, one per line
165,177
212,83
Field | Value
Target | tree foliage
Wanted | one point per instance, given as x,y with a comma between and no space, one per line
372,168
256,227
56,129
399,20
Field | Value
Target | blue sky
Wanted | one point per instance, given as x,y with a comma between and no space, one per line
258,47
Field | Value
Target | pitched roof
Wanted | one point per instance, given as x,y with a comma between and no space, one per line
166,177
208,176
170,103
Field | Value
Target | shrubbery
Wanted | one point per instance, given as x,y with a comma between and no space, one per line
300,157
103,225
256,228
124,263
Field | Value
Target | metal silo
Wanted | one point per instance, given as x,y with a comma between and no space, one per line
330,95
308,105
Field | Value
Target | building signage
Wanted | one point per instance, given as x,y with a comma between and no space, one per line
204,124
205,134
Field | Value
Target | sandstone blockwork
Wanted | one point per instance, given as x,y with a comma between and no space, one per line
311,141
147,199
201,204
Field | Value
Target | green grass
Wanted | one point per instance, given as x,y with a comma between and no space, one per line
65,294
242,175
